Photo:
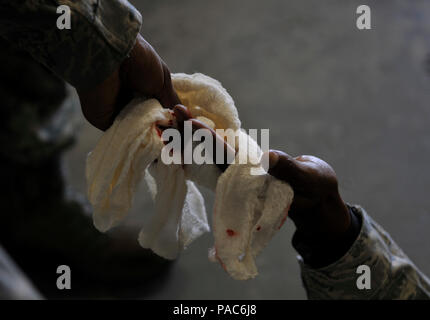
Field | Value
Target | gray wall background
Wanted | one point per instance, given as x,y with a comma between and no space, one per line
357,99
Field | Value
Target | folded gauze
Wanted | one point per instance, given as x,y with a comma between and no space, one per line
250,205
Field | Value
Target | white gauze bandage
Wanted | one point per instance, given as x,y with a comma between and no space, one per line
248,210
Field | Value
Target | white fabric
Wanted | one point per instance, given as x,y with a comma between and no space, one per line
115,167
248,210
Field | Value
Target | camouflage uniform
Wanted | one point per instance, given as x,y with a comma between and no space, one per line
102,33
393,275
40,226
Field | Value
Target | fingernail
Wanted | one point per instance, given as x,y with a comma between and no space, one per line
273,158
181,113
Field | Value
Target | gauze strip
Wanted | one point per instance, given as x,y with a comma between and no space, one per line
206,97
248,210
115,167
180,215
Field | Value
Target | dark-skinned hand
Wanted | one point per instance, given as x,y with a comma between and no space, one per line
321,217
325,226
143,72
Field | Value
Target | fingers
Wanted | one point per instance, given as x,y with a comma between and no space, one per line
293,171
181,112
311,178
99,104
147,74
296,172
167,97
219,145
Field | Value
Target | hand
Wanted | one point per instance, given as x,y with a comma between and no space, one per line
143,72
323,221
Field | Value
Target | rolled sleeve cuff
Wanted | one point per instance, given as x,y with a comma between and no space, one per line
339,279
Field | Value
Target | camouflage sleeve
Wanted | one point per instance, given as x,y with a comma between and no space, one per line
101,35
392,273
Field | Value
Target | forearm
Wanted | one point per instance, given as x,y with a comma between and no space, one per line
102,34
319,250
393,275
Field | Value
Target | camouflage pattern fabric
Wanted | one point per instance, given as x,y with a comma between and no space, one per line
393,275
102,34
36,59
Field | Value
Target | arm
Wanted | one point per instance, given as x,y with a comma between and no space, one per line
334,239
102,55
102,34
393,274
